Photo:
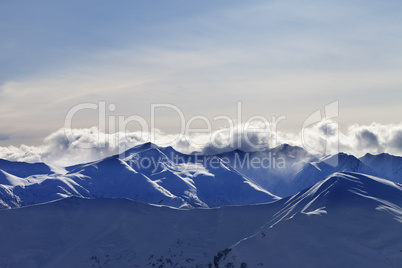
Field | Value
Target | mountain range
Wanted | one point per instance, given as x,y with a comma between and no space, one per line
156,207
163,176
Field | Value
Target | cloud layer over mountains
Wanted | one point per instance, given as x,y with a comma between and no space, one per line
324,137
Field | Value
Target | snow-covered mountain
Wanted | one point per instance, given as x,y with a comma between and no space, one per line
270,168
345,220
385,166
146,173
315,171
158,175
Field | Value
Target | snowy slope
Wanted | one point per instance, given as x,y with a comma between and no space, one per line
345,220
121,233
109,178
22,169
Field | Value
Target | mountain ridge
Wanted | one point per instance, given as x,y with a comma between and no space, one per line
161,175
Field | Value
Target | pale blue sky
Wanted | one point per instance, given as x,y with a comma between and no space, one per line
277,57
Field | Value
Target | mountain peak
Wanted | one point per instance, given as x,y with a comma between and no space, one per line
341,188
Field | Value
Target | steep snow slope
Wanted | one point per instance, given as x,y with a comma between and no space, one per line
345,220
113,177
385,166
8,179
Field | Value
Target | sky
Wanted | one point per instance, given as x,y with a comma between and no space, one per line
278,58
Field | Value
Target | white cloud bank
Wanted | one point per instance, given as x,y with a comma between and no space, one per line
322,137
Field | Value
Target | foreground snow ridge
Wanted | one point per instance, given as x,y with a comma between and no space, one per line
345,220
